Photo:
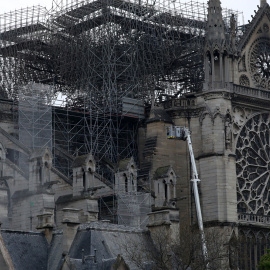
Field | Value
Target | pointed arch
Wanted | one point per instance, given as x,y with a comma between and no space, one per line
251,251
242,259
261,245
233,252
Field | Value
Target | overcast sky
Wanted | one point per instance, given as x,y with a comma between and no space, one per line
247,6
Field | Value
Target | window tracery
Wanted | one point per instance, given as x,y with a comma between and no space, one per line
259,62
253,166
251,246
239,117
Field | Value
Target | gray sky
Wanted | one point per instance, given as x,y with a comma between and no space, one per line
247,6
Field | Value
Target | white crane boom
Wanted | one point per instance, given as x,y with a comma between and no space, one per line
183,133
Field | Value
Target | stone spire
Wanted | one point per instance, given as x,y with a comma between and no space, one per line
216,61
215,32
263,2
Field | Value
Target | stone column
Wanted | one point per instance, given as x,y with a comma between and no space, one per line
213,70
226,70
221,69
206,66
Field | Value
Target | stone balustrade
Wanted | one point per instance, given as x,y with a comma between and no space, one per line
252,92
253,218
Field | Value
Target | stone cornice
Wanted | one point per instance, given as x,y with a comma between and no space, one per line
222,93
184,107
186,113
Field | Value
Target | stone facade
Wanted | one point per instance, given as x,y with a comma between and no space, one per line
229,124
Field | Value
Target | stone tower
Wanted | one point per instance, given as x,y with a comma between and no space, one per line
229,122
216,160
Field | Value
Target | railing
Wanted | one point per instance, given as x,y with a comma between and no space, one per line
238,89
247,91
253,218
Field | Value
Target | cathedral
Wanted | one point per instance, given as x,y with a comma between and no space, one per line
66,201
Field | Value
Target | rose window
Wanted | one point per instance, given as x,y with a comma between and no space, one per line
260,63
253,166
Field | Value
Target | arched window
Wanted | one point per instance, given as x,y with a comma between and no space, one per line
171,188
84,179
132,182
251,251
126,183
268,241
165,190
233,252
242,250
261,245
40,172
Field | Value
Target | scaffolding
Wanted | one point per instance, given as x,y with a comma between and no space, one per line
35,116
133,209
104,60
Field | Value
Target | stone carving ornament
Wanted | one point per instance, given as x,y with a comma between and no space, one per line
244,80
240,115
265,28
259,62
253,166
